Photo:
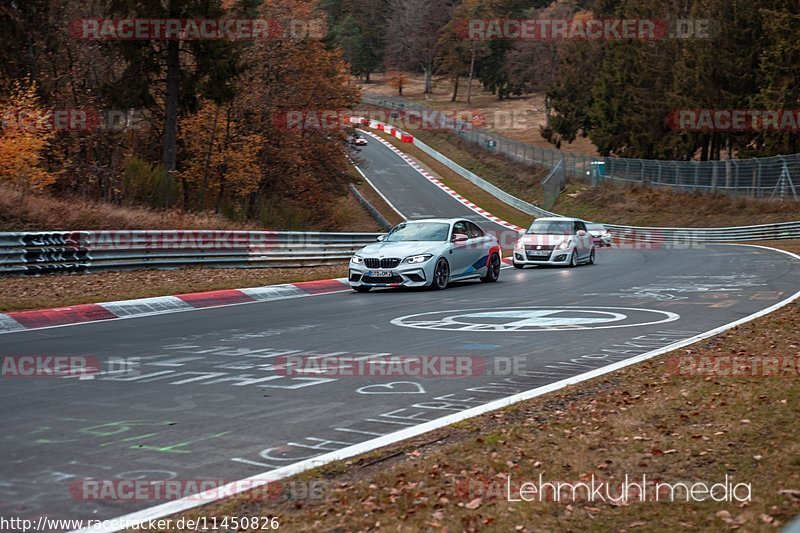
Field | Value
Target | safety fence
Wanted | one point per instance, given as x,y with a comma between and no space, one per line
555,180
553,184
77,251
775,177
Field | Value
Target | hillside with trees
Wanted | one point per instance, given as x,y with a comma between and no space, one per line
196,126
190,124
619,93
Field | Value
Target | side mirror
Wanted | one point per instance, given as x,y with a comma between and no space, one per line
460,237
381,237
581,233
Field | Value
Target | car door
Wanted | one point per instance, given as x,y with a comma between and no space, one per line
461,253
480,242
584,243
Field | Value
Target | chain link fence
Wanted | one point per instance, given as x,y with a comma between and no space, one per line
767,177
553,184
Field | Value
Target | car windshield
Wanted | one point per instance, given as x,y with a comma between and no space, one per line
551,227
427,231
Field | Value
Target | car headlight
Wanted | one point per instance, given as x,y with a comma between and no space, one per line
563,246
357,260
519,245
415,259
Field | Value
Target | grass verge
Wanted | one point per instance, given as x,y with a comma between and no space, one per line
47,212
20,294
642,420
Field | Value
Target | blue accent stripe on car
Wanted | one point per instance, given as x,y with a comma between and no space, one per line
480,263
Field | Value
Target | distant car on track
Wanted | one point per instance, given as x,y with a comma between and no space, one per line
358,141
602,237
557,241
427,253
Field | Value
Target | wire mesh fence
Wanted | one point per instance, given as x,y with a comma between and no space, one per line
775,177
555,181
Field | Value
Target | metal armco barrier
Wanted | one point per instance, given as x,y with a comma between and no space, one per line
79,251
762,232
374,213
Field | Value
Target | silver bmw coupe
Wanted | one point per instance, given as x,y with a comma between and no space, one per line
427,253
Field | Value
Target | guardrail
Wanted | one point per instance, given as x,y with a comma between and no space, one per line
761,232
497,192
766,177
373,212
80,251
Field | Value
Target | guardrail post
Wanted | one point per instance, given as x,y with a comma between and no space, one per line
757,180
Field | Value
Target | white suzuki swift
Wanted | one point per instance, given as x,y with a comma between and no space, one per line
555,241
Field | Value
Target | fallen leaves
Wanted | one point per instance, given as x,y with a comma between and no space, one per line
474,504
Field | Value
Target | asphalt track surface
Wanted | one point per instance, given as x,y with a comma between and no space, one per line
205,403
416,197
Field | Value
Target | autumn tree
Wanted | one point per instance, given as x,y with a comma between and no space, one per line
169,74
244,152
358,28
222,160
461,56
27,131
413,35
779,73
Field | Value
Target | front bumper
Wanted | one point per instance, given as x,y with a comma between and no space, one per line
404,275
556,257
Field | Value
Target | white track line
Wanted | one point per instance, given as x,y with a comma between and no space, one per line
169,508
432,179
374,188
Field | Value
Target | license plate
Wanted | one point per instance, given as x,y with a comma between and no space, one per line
539,253
380,273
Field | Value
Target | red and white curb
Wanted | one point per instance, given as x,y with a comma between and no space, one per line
84,313
387,128
430,177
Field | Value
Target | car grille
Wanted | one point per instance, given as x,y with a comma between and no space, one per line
393,279
547,249
382,263
538,257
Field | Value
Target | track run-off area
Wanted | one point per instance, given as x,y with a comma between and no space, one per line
209,402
